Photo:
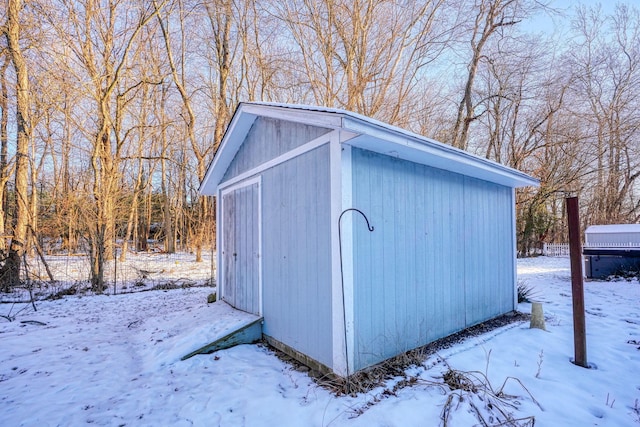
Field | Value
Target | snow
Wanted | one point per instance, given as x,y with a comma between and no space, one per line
114,360
140,271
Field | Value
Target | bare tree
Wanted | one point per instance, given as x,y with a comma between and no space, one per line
5,172
101,48
10,272
366,56
220,14
491,18
201,152
606,60
132,99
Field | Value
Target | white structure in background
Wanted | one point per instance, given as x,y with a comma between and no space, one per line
611,249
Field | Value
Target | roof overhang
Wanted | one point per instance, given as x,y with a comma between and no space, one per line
613,229
370,134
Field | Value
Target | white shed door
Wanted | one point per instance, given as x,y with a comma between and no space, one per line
240,248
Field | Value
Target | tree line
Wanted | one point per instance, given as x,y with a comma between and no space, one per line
111,110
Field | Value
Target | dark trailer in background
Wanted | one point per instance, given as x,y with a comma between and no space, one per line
612,250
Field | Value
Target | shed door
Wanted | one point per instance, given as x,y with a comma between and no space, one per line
240,248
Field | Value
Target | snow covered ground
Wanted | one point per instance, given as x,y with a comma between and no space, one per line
114,360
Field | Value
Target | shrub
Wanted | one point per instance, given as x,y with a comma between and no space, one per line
525,291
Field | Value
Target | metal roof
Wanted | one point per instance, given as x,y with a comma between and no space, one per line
370,134
613,228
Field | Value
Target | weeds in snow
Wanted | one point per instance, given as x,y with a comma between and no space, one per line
540,359
610,405
525,291
636,410
491,407
464,391
473,392
366,380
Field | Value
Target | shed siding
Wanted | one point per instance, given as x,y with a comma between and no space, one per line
297,254
489,251
268,139
612,238
414,276
241,252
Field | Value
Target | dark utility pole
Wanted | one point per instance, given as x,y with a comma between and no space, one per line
577,285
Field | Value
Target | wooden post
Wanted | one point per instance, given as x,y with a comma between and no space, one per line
577,285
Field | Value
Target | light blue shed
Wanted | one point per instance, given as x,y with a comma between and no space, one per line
440,258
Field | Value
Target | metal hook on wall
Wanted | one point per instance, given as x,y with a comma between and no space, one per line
344,313
360,212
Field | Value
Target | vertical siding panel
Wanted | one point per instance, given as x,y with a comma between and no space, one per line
273,270
420,256
424,273
240,245
250,235
445,276
435,217
398,245
494,223
243,250
430,254
454,257
508,276
228,248
306,164
442,267
297,265
292,248
370,322
489,279
499,292
307,270
411,250
471,232
409,208
362,313
243,262
388,305
248,249
255,250
378,282
240,227
449,209
267,139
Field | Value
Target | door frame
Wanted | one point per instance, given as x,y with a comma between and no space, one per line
223,191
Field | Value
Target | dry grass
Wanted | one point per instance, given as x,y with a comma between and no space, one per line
473,392
468,391
376,376
396,367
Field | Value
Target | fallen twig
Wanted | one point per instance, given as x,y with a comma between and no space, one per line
33,322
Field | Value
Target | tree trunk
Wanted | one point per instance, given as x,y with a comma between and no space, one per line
10,273
4,147
132,213
167,222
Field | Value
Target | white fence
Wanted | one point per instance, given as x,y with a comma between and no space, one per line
555,249
562,249
612,245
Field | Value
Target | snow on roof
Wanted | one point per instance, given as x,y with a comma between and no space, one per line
371,134
613,228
